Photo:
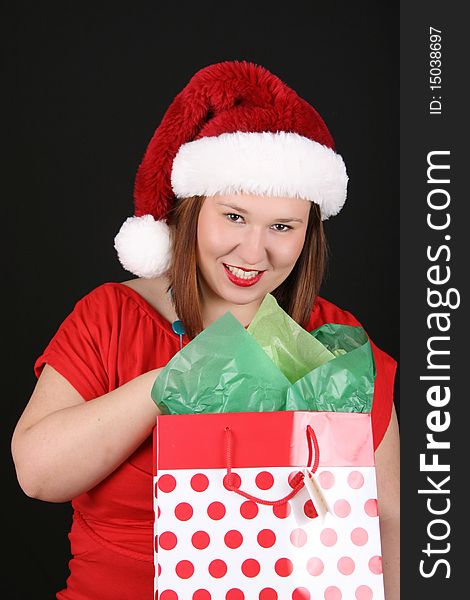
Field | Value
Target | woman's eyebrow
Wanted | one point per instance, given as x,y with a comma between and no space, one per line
288,220
242,211
233,207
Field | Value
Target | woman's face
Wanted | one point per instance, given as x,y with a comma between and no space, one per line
247,245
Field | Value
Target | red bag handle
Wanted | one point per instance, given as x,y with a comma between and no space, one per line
297,481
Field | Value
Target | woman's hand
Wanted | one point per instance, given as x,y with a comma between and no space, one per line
63,446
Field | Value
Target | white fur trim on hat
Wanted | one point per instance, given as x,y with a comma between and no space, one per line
273,164
143,246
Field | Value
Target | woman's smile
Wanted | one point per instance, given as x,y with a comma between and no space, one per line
242,277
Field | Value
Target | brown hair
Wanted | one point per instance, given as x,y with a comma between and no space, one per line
295,295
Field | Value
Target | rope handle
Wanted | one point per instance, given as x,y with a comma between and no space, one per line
297,481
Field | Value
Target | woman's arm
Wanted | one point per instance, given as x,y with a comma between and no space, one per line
63,446
387,459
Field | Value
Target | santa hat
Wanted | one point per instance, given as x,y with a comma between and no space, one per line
234,128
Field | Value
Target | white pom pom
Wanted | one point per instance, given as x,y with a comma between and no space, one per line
143,246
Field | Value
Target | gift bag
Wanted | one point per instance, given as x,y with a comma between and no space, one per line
273,505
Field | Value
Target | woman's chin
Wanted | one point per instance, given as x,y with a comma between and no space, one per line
222,289
231,294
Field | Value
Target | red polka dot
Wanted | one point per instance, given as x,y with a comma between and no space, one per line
375,565
364,592
166,483
159,569
301,594
184,569
359,536
266,538
328,537
201,595
298,537
346,565
310,510
167,540
233,479
159,512
200,540
168,595
283,567
249,509
355,480
234,594
315,566
264,480
282,511
156,543
294,478
332,593
268,594
326,479
250,567
217,568
371,507
199,482
183,511
216,511
233,539
342,508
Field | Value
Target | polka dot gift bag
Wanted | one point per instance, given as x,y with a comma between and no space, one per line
264,476
266,506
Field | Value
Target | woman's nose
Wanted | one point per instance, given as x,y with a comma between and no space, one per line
253,247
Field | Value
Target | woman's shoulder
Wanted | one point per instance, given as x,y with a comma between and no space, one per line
154,292
145,295
324,311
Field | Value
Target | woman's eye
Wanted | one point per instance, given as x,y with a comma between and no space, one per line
233,217
281,227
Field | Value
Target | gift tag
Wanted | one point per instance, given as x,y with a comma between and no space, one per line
316,495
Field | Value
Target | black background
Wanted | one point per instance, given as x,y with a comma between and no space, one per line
85,88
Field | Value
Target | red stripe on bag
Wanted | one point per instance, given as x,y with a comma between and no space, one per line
263,440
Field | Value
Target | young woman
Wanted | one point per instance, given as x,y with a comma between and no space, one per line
229,202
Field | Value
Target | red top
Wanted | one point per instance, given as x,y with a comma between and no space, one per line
112,336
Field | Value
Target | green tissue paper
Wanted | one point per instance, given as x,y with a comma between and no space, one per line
273,365
292,349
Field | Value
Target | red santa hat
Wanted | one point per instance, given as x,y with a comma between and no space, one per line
234,128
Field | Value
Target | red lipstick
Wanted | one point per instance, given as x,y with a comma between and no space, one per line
242,282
